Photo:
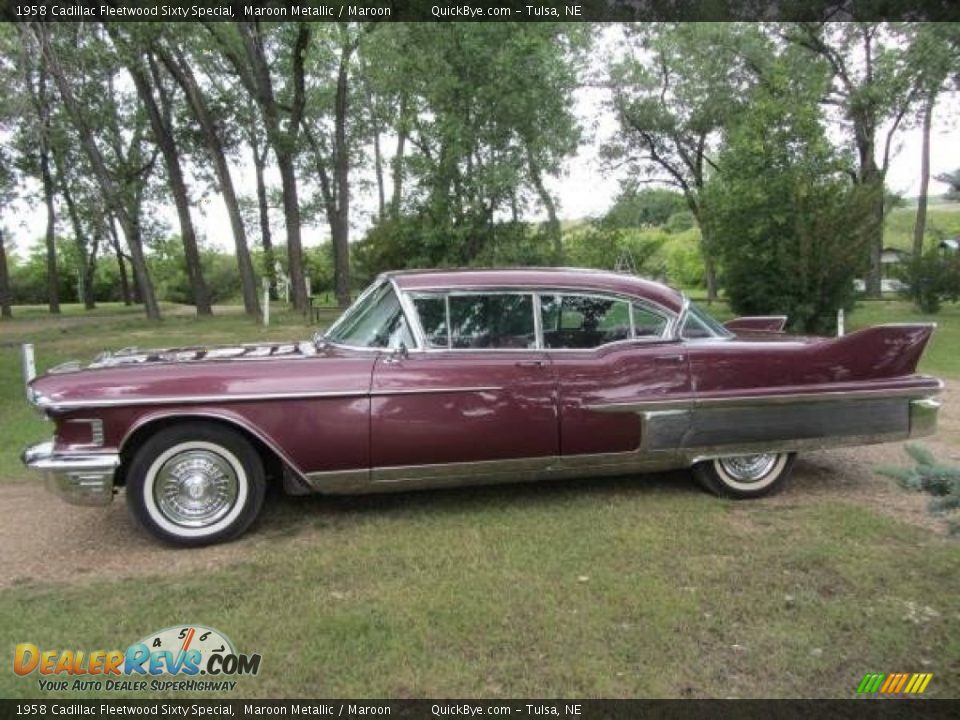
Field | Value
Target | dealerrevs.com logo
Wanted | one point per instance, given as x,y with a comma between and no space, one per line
177,658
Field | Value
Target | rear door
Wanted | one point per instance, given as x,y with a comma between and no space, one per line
612,357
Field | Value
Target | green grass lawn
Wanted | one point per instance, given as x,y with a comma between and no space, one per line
602,589
613,588
943,221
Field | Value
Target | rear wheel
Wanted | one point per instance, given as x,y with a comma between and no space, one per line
195,484
745,476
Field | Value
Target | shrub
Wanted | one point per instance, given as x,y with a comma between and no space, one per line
931,279
932,477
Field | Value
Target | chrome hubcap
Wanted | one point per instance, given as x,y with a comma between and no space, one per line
748,468
195,488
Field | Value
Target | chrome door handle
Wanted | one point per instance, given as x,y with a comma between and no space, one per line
530,364
670,359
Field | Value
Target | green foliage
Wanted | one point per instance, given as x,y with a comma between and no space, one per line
682,259
931,279
952,180
597,246
785,219
644,207
932,477
415,241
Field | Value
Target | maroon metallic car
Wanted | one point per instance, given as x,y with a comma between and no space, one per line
438,379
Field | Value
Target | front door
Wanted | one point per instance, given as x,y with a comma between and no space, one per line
480,398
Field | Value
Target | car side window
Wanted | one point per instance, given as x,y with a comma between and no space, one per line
376,322
494,321
647,323
694,329
583,321
432,311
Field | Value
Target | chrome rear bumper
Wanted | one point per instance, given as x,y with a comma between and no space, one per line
923,416
78,478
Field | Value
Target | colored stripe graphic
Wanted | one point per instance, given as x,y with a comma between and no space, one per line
894,683
870,683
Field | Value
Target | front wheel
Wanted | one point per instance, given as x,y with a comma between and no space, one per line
195,484
743,477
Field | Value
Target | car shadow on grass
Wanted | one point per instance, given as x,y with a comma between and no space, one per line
287,515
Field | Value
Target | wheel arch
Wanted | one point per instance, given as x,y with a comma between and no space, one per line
275,461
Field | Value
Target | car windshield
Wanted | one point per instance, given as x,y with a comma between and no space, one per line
376,320
700,324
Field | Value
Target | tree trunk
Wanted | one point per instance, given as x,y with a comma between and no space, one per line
341,168
291,214
182,73
398,161
124,283
266,237
53,279
873,232
104,179
921,225
86,263
163,134
554,235
6,299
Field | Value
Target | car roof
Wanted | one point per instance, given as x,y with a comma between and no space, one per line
540,278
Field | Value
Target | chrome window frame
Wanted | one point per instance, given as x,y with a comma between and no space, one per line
668,335
681,319
447,293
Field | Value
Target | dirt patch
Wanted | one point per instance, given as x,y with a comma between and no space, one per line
44,541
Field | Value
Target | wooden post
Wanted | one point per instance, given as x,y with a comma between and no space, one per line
265,282
840,322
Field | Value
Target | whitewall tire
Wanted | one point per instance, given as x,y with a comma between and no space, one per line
745,476
195,484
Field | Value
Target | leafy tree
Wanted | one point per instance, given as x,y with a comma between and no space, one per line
157,103
36,155
600,246
952,180
873,89
269,62
98,112
931,278
784,214
486,116
637,207
674,92
935,53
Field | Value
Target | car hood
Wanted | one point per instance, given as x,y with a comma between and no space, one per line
192,375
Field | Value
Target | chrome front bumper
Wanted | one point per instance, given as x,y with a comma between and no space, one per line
78,478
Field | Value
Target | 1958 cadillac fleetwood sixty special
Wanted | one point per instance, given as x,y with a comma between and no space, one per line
450,378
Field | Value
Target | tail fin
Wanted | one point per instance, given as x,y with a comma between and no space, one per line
881,351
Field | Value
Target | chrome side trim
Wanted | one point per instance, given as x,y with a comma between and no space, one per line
80,479
436,391
742,400
338,482
247,397
694,455
643,459
484,472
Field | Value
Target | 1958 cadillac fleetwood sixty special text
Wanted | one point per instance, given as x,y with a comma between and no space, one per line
449,378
